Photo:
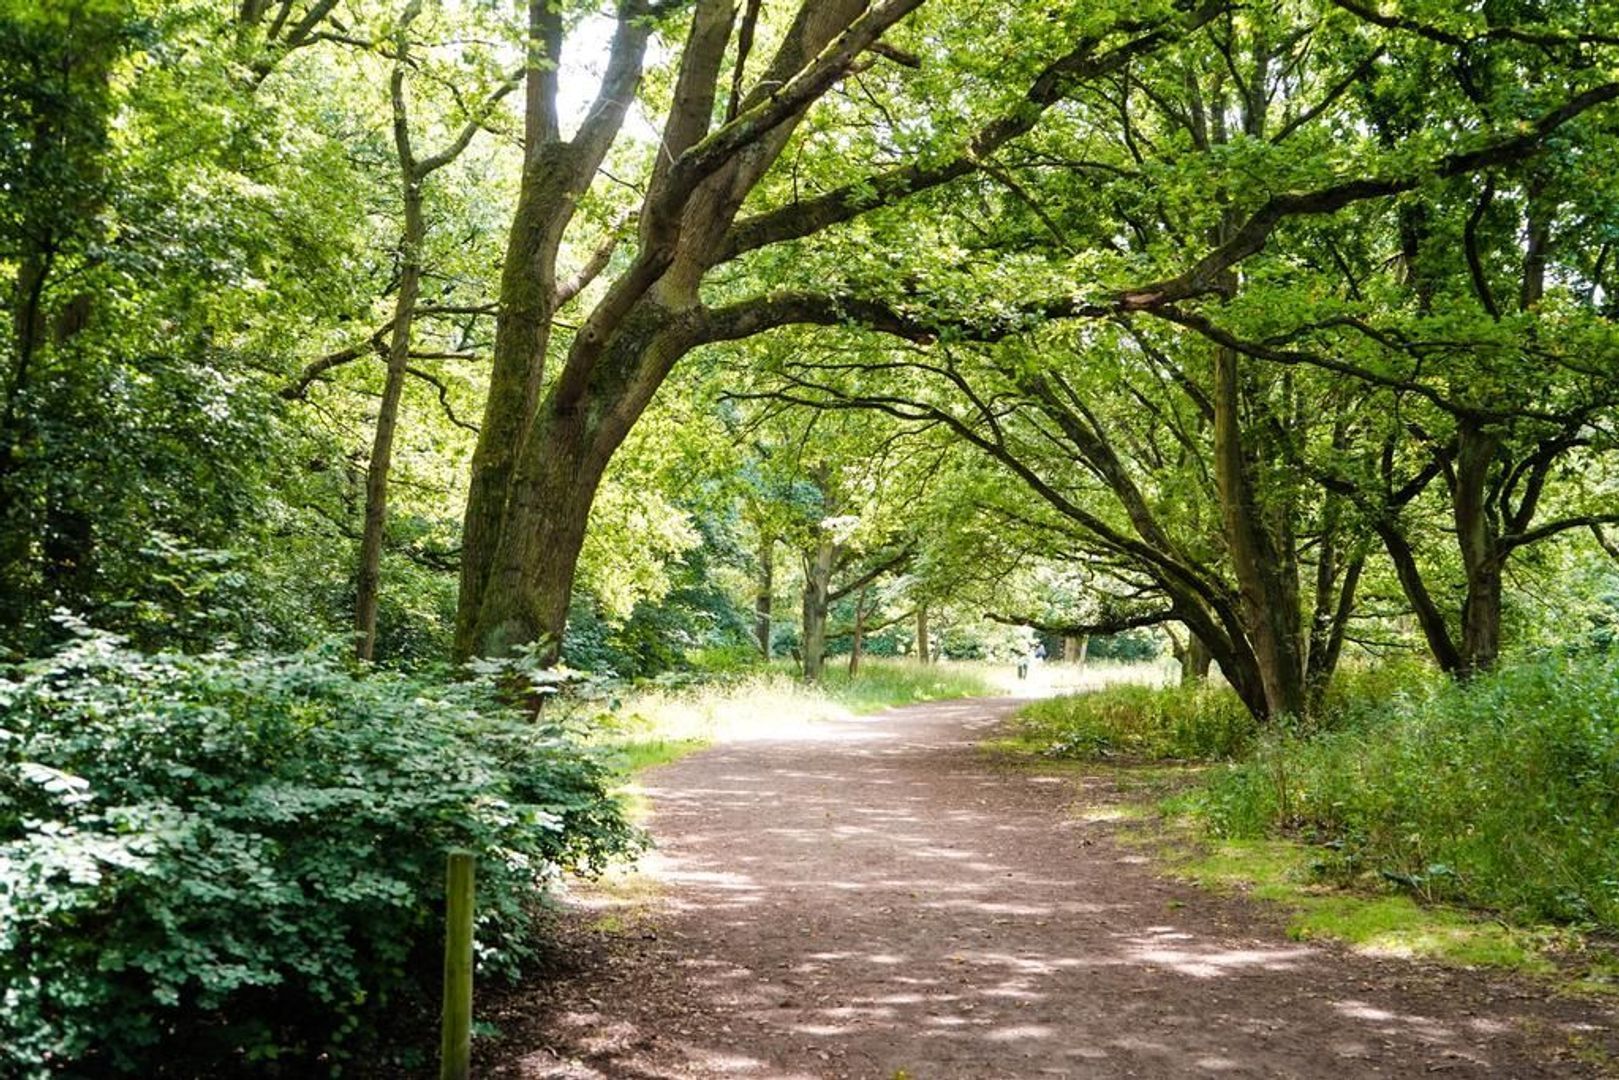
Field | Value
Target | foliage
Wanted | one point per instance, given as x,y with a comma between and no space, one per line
1502,793
227,859
1131,645
1175,723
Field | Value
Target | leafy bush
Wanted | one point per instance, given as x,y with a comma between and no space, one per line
1139,722
1503,793
236,859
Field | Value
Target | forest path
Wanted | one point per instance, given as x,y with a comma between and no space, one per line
877,898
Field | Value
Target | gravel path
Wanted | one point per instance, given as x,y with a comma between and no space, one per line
877,898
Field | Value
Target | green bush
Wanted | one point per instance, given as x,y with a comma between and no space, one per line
1502,793
1139,722
235,859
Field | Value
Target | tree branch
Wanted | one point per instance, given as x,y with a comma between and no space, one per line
1116,625
1251,237
1055,82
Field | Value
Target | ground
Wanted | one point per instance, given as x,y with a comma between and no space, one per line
877,897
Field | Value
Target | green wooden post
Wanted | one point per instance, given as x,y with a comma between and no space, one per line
456,1050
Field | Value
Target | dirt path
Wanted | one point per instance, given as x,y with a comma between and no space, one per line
879,899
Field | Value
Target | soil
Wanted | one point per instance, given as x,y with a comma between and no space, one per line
879,898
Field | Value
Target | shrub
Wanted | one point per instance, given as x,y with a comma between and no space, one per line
1140,722
1502,793
236,859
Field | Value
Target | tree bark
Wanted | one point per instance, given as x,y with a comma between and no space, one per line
922,643
1266,574
857,642
376,480
817,588
764,599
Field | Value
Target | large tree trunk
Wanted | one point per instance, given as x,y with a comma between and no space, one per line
922,643
817,587
522,335
1266,573
764,599
525,599
1075,648
376,481
555,174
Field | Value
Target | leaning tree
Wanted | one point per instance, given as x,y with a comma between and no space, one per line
720,188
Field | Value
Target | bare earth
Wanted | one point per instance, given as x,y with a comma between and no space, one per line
880,899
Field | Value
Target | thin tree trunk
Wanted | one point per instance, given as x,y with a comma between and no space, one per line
859,641
1476,534
1441,644
1269,604
765,598
1327,633
817,586
922,644
1196,661
376,480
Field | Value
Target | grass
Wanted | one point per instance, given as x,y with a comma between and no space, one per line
1501,794
884,683
1414,793
1469,825
1375,922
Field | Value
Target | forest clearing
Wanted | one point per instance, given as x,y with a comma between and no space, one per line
808,538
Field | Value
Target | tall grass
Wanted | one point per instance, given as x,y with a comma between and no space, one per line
1502,794
1158,722
882,683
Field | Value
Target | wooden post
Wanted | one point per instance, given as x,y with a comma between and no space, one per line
456,1049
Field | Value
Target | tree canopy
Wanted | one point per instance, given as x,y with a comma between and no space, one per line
1287,330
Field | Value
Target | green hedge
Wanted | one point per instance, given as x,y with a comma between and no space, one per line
233,860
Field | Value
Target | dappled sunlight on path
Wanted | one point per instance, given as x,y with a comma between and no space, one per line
879,899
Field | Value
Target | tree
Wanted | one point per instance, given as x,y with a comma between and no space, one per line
545,443
414,171
1251,90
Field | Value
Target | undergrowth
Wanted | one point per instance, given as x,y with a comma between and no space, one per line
1502,793
1138,722
233,864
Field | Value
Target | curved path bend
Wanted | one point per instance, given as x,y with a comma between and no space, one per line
876,898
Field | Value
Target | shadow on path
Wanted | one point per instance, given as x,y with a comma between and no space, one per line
878,899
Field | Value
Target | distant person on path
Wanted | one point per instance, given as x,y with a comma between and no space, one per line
1035,653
